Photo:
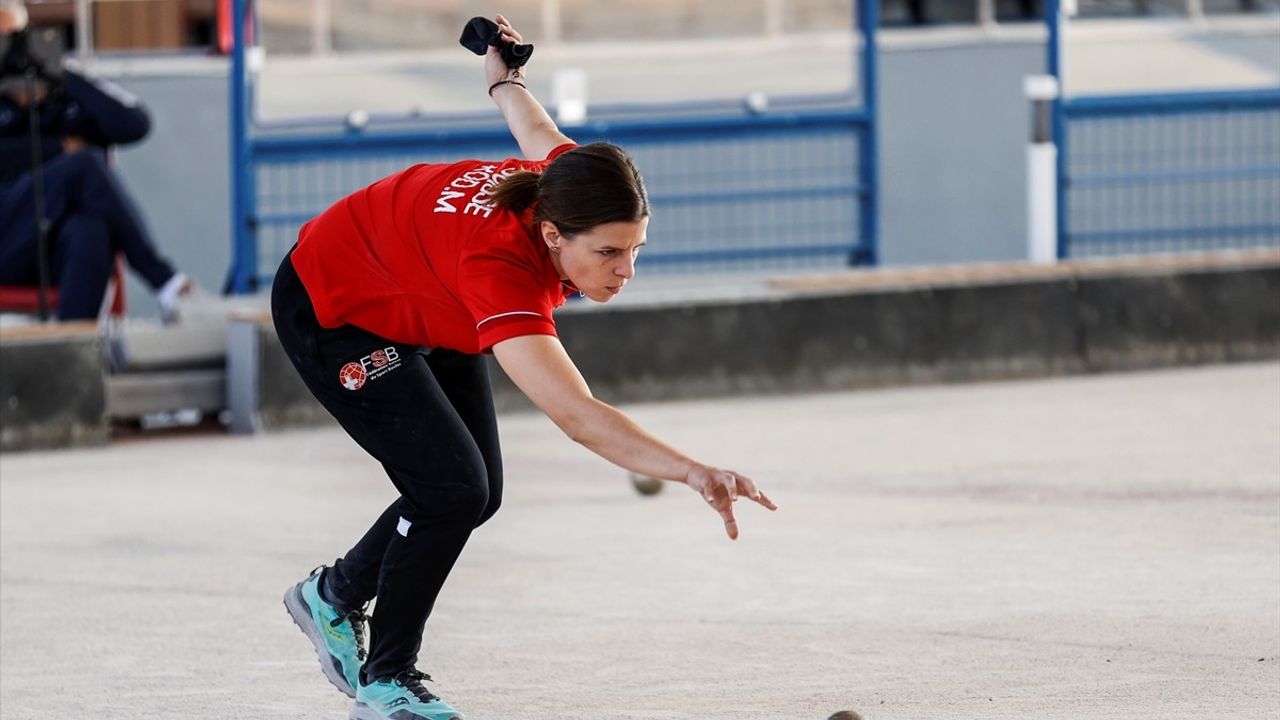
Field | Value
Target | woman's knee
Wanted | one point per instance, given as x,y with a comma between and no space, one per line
491,507
462,498
469,500
493,467
492,455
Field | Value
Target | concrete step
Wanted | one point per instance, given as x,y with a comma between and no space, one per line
139,395
197,341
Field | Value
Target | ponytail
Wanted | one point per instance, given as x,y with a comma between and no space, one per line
584,187
517,192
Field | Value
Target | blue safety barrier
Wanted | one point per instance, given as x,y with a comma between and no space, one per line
731,189
1168,172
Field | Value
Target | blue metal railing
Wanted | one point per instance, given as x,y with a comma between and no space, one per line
1167,172
790,188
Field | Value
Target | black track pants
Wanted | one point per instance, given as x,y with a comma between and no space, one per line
427,416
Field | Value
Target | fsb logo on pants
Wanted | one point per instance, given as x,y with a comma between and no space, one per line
354,375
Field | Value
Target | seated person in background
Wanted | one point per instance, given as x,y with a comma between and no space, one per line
91,217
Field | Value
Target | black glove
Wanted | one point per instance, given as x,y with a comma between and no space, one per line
481,33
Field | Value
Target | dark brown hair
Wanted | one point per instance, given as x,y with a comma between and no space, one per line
584,187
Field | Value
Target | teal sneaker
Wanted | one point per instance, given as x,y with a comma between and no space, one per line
400,698
338,635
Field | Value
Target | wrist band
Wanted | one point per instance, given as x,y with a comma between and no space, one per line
505,82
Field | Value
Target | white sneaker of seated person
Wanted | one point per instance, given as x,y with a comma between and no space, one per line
177,291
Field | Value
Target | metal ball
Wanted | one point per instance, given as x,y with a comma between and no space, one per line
646,485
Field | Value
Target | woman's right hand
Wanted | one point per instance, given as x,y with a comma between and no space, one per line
721,489
495,68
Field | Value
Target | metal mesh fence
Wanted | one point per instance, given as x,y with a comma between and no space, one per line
1172,173
725,197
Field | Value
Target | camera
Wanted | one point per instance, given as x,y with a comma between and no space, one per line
39,49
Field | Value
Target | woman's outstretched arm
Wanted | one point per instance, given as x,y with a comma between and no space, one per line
540,367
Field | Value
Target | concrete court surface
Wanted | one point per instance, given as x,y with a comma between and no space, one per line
1092,547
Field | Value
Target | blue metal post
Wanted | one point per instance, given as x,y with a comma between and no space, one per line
242,276
868,171
1053,64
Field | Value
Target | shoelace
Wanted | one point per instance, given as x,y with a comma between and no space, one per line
357,618
411,680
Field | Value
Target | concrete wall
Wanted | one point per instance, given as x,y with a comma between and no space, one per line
851,331
1068,319
1018,322
52,387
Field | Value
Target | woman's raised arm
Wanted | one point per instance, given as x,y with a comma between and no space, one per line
532,127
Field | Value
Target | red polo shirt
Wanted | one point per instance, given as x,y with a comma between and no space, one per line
423,257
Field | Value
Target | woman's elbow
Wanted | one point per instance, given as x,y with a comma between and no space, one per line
577,424
575,428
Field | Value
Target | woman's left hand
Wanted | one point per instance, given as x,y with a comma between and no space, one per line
495,68
721,489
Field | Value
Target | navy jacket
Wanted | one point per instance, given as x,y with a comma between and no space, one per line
99,112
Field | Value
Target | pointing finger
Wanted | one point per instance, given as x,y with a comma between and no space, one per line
765,501
730,522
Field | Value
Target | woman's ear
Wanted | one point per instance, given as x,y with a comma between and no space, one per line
551,235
